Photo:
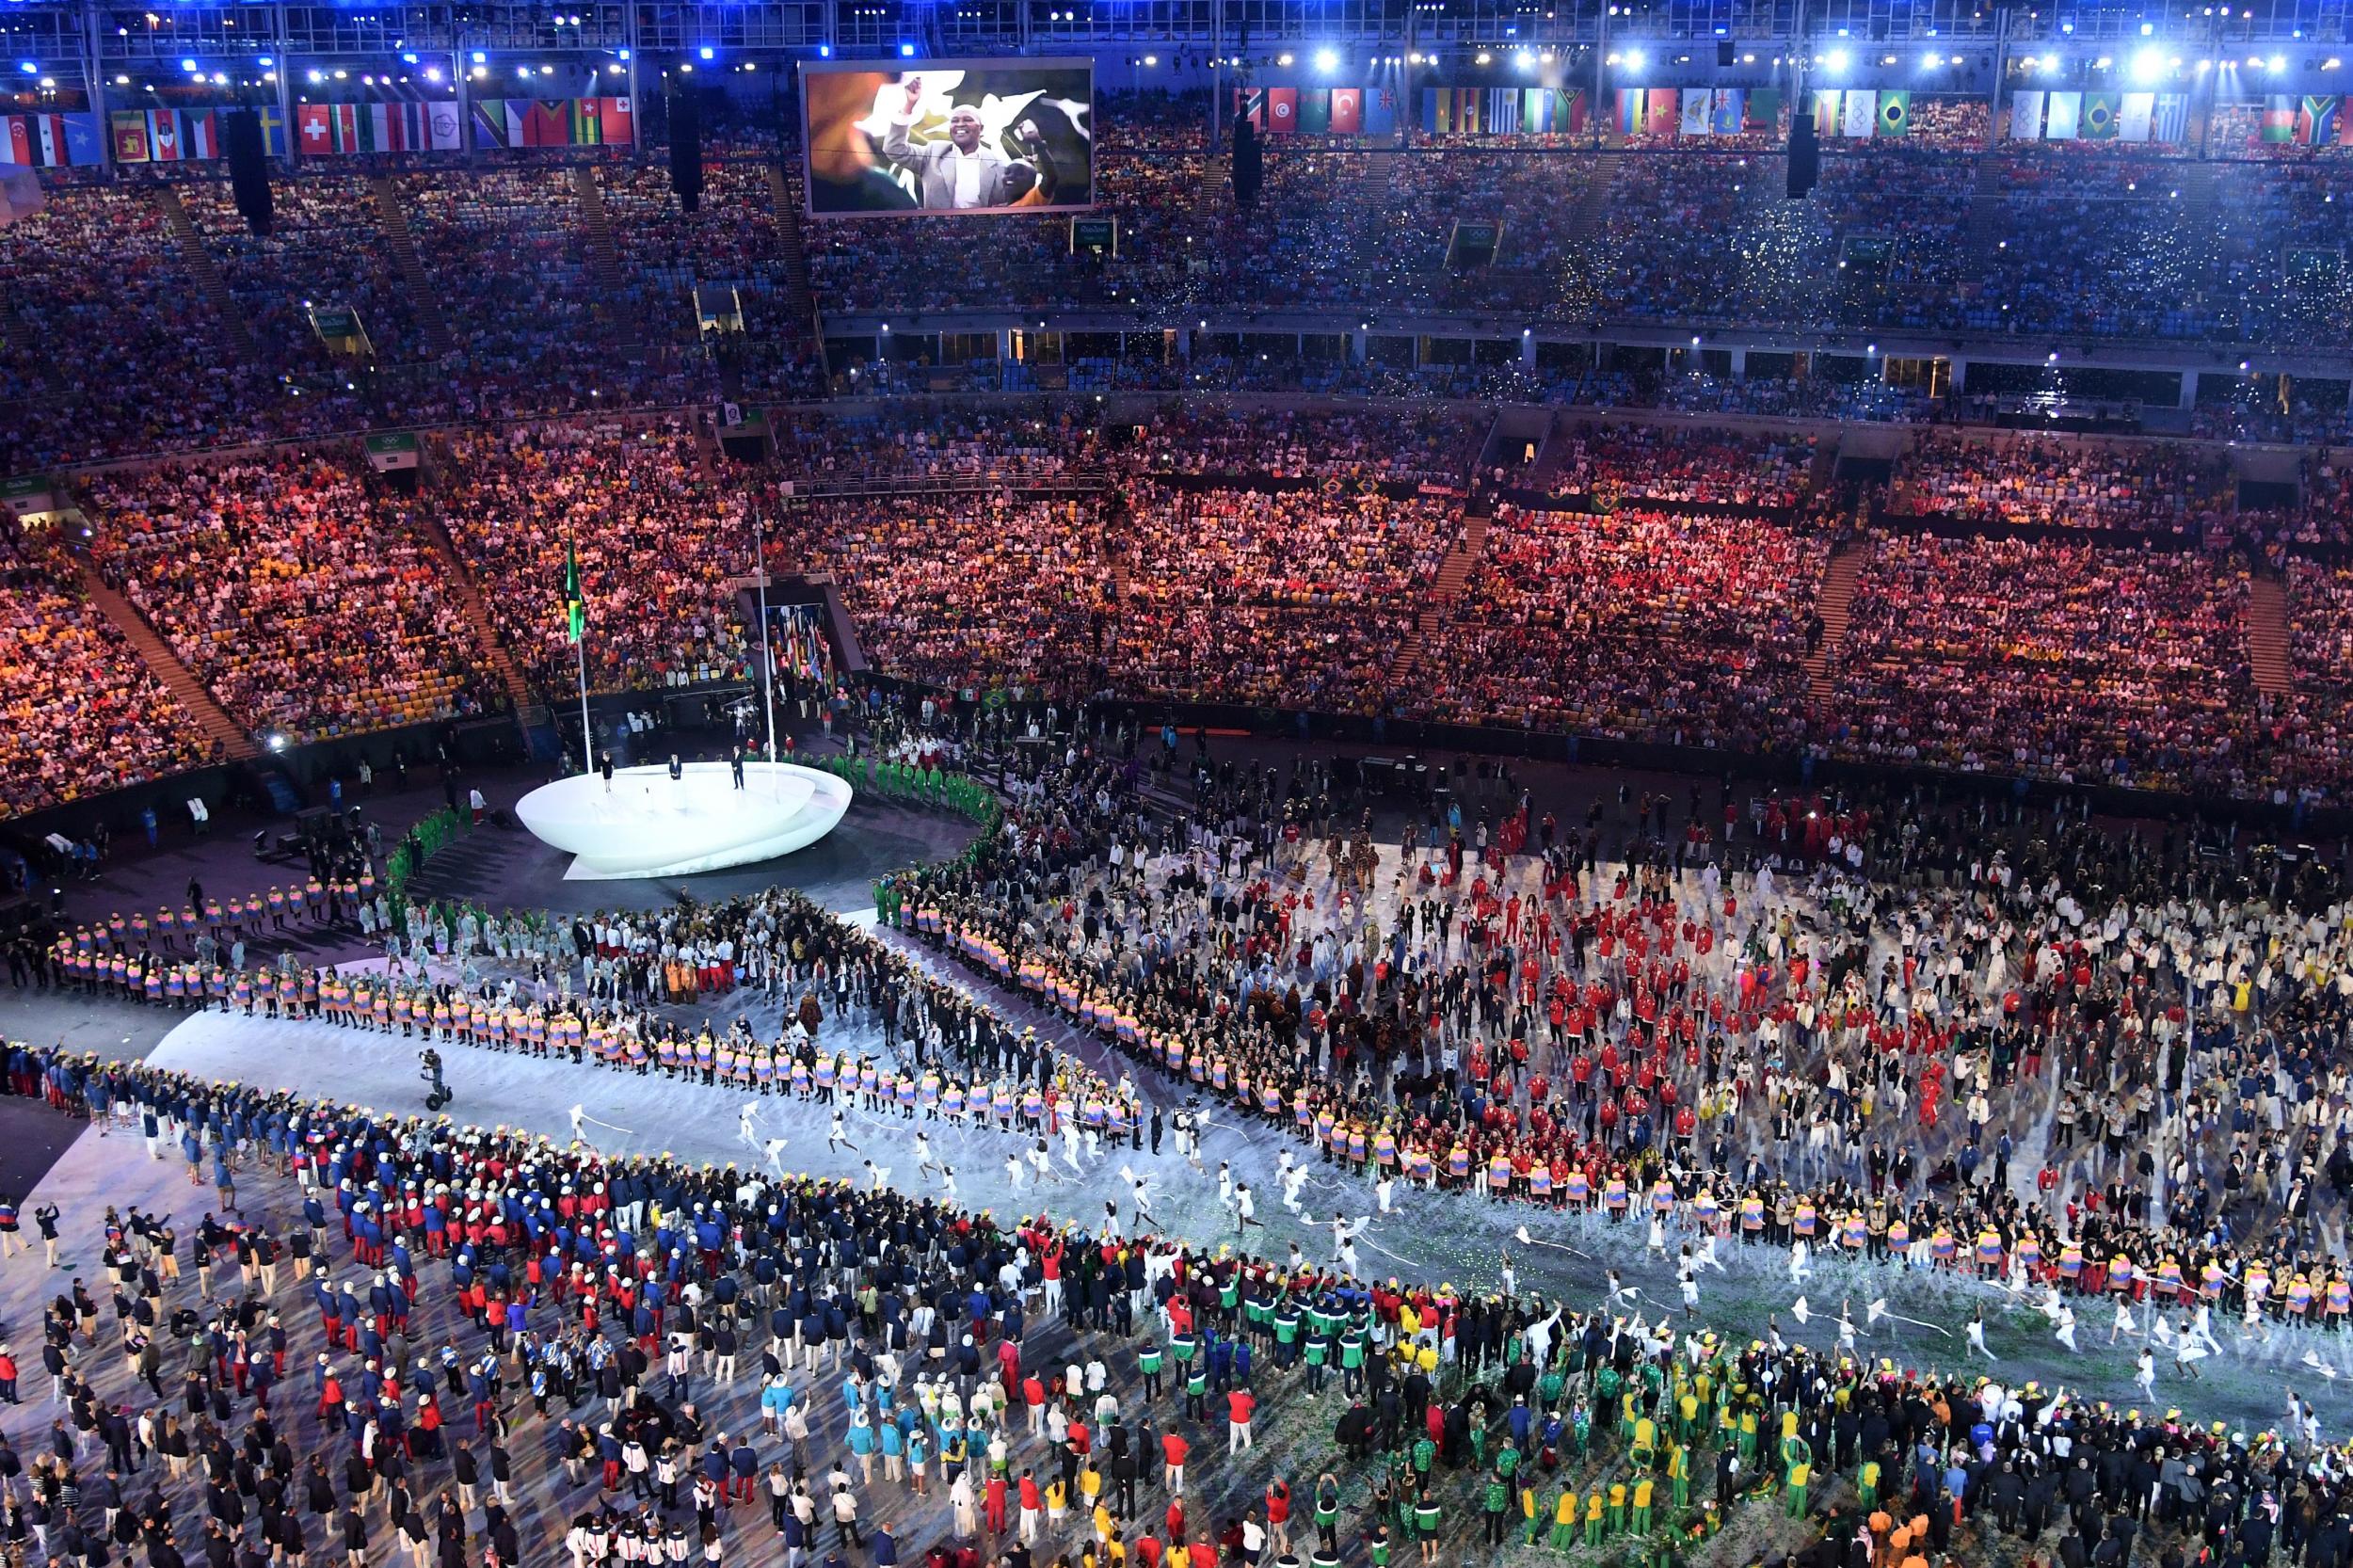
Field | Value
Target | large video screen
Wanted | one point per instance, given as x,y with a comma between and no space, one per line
988,135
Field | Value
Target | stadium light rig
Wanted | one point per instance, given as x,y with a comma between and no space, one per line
1837,60
2149,65
1327,61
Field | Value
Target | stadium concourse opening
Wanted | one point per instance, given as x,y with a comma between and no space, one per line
1199,788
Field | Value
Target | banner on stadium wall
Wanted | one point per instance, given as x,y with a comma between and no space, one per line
2063,116
163,135
553,123
398,450
52,140
324,129
2026,115
1762,109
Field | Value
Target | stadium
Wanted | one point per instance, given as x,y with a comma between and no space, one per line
1175,783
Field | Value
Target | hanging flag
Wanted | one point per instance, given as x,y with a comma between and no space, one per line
1282,111
314,128
1347,111
442,128
16,141
49,132
130,136
1696,120
1315,111
1894,114
1629,114
1727,117
489,122
1763,110
1501,111
2316,120
2278,122
346,118
2099,123
1825,107
163,136
2064,117
273,132
2172,122
1662,111
575,611
2136,116
2026,115
1863,112
582,122
85,140
1380,112
201,134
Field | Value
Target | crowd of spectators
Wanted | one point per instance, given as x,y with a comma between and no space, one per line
1682,462
656,536
968,590
1642,624
2051,658
2144,487
325,248
308,605
111,347
83,714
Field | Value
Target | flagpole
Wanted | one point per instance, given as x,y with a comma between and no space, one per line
587,737
768,685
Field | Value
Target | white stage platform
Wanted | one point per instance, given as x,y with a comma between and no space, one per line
650,825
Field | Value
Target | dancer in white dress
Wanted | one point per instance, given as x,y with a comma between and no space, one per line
1977,1335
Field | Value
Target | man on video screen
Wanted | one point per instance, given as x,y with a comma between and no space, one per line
962,172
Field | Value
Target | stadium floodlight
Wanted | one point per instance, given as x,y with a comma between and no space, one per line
622,55
1837,60
480,58
30,68
188,66
706,52
2149,65
1636,59
906,50
1527,61
2275,64
1327,61
2050,63
1929,63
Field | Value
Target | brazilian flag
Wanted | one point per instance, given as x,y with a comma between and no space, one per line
1894,114
575,608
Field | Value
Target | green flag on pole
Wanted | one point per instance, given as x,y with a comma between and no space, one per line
575,611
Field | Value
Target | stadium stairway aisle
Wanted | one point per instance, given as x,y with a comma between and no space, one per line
1452,574
604,263
529,713
1834,603
198,261
209,715
1209,199
423,302
794,252
1592,202
2267,635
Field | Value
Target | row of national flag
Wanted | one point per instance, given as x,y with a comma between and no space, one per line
1319,111
2160,117
553,123
1696,111
50,140
2307,121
